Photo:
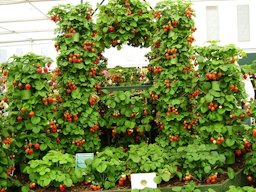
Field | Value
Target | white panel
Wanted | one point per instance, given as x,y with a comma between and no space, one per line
212,16
243,23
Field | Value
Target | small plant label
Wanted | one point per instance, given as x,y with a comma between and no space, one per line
143,180
81,157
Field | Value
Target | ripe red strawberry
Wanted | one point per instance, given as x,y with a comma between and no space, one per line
27,86
37,146
31,114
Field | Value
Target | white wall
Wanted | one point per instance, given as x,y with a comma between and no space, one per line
227,10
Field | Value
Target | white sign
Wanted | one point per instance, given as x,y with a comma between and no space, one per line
143,180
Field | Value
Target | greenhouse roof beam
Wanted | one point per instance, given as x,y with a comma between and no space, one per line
24,20
8,2
31,31
40,11
26,40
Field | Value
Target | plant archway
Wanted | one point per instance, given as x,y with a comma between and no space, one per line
125,22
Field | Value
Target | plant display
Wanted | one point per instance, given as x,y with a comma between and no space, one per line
31,105
107,169
79,65
55,169
127,115
221,102
170,69
125,22
188,126
120,76
6,157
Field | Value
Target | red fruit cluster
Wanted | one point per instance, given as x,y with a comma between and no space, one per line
79,142
93,99
168,27
211,76
212,106
116,78
55,18
41,70
189,125
127,4
172,110
145,111
116,114
97,60
189,12
217,141
186,69
158,14
69,117
254,132
247,145
188,177
4,99
154,97
28,149
89,46
170,53
233,88
54,127
212,179
27,86
71,86
232,116
8,140
32,185
19,118
122,181
190,39
133,115
2,190
129,131
94,128
95,187
196,93
173,138
76,58
97,86
157,70
93,71
111,28
62,187
160,125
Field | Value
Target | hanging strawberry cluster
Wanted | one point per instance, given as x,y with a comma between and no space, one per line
171,69
221,104
80,64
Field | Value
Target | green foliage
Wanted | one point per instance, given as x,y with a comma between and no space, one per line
125,22
29,83
128,115
107,167
80,64
241,189
170,69
221,92
201,160
53,169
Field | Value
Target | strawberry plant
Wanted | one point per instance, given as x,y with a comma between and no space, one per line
79,77
171,71
31,105
55,169
107,169
221,95
125,22
199,161
6,157
127,115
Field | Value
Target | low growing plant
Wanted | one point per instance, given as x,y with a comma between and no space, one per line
107,168
54,169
